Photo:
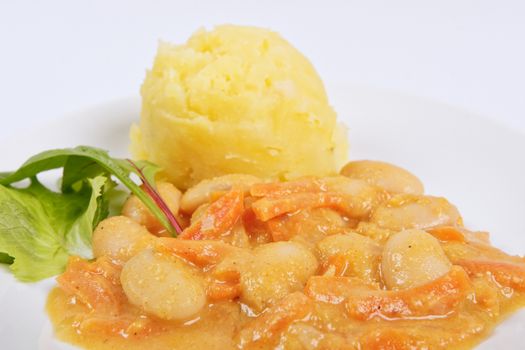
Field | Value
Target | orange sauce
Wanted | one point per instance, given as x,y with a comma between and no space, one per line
213,329
217,327
343,303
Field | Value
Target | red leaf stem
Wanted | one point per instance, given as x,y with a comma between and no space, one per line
157,198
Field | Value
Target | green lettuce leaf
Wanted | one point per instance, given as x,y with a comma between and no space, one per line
40,228
78,238
6,259
84,162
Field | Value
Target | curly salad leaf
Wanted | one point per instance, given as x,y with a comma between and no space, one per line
40,228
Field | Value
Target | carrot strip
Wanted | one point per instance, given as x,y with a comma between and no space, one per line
268,208
505,273
439,297
338,184
219,290
265,328
447,234
337,264
202,253
363,302
256,229
218,218
95,284
278,229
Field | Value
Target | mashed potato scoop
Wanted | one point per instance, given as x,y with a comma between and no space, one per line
236,100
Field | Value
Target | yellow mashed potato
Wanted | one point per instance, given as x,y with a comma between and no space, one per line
236,100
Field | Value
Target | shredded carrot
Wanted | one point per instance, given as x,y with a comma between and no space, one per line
338,264
438,297
255,228
218,218
337,184
447,233
275,320
220,290
268,208
278,229
202,253
96,284
505,273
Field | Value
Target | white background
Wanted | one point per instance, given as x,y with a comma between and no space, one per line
62,56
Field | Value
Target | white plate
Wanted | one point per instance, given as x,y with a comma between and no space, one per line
475,163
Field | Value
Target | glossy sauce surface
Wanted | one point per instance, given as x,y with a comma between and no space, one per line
316,263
